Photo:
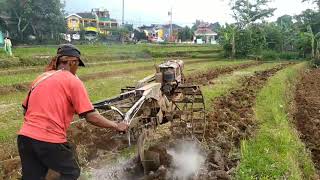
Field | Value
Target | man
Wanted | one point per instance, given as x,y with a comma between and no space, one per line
49,108
8,46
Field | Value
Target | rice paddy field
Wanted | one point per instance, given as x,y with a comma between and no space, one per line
262,117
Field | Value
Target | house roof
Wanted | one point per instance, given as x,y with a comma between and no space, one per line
157,26
87,15
73,15
103,19
205,31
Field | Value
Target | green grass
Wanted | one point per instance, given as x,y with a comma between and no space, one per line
276,151
27,77
33,56
6,80
225,83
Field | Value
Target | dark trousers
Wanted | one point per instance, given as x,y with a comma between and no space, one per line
38,156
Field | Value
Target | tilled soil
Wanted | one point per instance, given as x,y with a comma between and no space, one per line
89,146
231,121
307,115
205,77
91,141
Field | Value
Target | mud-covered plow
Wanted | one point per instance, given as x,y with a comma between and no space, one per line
161,98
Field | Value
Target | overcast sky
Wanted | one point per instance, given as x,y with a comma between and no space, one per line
185,12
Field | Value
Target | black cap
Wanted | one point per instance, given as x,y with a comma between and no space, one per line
69,50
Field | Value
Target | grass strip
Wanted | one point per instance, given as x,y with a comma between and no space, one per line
276,151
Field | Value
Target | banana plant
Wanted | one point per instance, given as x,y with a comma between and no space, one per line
317,41
229,36
312,37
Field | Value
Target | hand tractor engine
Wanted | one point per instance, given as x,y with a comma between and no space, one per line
160,98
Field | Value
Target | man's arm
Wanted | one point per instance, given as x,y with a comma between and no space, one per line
96,119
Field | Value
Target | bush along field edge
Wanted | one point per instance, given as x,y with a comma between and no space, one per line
276,151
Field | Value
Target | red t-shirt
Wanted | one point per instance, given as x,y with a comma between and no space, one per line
52,105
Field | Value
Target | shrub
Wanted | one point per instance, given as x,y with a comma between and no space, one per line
289,55
270,55
274,55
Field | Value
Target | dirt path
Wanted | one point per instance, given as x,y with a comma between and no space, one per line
307,115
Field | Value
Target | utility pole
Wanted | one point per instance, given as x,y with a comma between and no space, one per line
171,30
122,12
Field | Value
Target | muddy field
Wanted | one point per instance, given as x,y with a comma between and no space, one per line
100,142
230,121
90,147
307,115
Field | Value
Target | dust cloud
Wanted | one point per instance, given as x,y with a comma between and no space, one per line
187,160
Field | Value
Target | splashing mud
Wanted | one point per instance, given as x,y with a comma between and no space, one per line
180,160
187,160
121,170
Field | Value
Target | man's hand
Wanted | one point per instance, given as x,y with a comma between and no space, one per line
122,127
96,119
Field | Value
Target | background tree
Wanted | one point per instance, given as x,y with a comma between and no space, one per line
312,38
257,38
287,37
196,25
308,24
286,26
227,39
3,25
20,11
44,19
249,11
313,1
215,27
138,35
247,36
185,34
274,36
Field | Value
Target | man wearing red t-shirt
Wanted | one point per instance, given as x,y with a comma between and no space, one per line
53,99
